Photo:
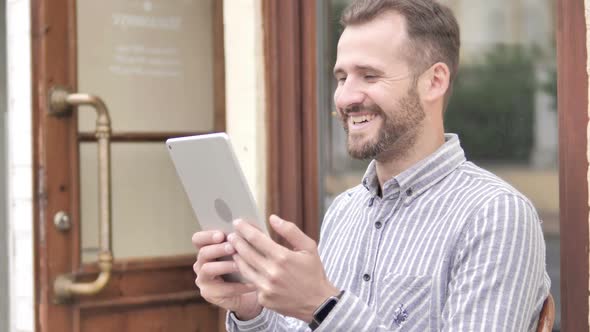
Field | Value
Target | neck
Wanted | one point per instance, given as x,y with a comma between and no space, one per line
396,162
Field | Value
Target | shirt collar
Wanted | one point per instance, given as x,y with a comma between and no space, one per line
422,175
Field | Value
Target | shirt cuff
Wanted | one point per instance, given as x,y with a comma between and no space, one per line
262,322
350,314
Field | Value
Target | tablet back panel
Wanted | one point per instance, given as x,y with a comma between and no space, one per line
213,181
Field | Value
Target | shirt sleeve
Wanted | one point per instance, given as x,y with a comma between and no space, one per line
266,321
498,280
350,314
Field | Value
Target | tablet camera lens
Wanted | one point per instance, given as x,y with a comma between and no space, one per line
223,210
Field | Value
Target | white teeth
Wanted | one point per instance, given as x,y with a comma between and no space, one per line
362,118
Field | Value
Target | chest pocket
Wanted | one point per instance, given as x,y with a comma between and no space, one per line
404,302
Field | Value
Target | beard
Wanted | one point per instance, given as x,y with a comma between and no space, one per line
397,134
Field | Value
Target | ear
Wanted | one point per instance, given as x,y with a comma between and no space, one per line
434,83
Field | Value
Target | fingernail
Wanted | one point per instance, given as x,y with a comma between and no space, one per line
217,236
228,248
237,222
231,237
276,221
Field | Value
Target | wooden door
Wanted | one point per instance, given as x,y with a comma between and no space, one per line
155,63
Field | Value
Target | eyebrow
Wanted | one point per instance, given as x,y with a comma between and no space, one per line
362,68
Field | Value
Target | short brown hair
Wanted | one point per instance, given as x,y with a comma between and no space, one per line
433,31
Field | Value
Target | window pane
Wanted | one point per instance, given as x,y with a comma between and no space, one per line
503,106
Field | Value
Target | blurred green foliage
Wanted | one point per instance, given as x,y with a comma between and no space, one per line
492,106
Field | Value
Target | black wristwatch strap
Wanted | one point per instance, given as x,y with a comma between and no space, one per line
324,310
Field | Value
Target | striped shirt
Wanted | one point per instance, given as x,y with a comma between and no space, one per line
448,246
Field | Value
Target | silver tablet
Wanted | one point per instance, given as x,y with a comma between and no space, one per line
214,182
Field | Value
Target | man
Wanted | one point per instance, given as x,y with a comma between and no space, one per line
427,242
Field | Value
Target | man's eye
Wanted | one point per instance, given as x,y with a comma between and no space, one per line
370,77
341,79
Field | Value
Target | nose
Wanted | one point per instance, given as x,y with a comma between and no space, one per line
347,95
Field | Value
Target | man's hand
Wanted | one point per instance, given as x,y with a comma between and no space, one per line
237,297
290,282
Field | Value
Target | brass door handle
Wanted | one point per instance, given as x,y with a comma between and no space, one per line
62,103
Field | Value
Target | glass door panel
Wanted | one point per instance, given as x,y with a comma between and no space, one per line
151,213
151,61
154,64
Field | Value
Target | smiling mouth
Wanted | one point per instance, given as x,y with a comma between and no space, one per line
360,119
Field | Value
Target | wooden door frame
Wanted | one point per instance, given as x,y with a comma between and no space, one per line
572,92
50,35
291,92
293,187
55,185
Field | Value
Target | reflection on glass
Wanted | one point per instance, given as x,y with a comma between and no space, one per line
503,106
152,216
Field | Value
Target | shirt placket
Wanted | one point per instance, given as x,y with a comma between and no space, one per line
378,223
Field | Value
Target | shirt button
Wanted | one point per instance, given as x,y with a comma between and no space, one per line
366,277
409,192
378,225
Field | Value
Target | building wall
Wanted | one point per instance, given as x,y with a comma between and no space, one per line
3,226
587,14
245,98
3,200
19,167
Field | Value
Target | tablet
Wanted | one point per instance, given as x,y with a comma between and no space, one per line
213,181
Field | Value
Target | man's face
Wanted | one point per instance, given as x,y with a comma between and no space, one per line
376,97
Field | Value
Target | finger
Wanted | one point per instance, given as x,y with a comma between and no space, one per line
213,252
205,238
212,270
247,252
248,223
247,271
227,289
294,236
257,239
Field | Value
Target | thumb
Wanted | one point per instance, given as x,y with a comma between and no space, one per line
294,236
